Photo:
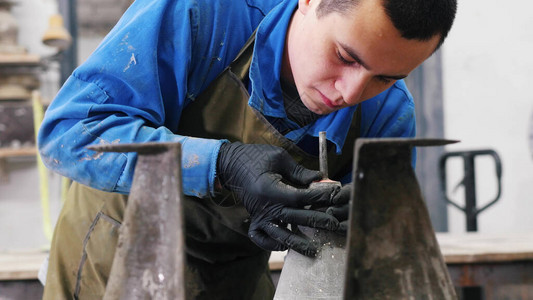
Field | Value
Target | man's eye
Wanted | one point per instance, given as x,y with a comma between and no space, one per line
344,60
384,79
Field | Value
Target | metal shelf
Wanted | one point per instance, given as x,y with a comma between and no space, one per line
11,152
6,153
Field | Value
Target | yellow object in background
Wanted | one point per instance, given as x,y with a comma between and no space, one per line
38,114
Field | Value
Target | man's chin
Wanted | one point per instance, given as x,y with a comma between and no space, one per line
316,109
325,110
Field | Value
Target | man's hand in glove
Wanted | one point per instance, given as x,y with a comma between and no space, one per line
341,207
273,188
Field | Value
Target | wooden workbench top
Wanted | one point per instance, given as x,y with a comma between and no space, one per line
21,265
469,248
456,249
485,248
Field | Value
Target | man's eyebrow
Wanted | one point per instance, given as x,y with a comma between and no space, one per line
354,56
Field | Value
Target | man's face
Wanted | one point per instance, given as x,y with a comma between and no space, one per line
339,60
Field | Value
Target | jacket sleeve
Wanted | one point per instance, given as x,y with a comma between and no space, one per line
133,89
390,114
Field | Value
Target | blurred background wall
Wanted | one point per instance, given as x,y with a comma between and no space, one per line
487,73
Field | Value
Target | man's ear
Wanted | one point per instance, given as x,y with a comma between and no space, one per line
304,6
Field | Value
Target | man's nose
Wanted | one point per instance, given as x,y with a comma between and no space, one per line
352,85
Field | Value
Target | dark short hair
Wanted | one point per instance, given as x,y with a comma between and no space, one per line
415,19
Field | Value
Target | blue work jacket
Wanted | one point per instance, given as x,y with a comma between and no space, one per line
158,58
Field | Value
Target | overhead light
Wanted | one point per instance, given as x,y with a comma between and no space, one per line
56,35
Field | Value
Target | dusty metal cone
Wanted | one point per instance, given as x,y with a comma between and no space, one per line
391,251
149,260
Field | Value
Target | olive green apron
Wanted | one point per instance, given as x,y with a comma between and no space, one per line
222,262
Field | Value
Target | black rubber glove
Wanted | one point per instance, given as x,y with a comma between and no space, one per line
272,187
341,207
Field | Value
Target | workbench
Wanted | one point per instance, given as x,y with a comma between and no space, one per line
482,266
18,274
490,266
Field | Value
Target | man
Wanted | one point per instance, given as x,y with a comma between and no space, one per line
162,75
